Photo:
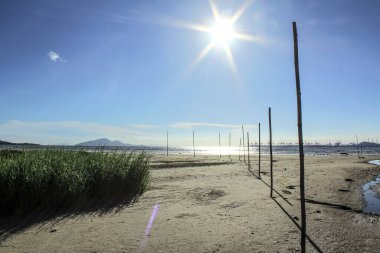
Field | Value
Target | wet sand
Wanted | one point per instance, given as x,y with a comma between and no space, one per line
207,204
376,189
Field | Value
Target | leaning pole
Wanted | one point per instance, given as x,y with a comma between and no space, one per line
300,141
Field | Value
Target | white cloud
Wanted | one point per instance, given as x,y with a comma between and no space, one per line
54,56
143,126
72,132
190,125
49,132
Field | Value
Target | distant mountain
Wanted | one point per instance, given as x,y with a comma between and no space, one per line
369,144
6,143
103,142
12,144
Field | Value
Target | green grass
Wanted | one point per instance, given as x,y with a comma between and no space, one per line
42,178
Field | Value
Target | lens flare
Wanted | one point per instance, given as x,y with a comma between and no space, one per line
149,227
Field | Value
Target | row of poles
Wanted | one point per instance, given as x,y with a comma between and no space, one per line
229,143
300,143
247,158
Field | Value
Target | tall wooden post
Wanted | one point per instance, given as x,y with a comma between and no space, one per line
259,151
220,151
242,130
249,162
270,152
239,150
300,141
193,144
167,143
229,146
357,145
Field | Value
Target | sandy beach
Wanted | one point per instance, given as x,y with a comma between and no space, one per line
207,204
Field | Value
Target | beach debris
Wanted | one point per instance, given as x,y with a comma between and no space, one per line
344,190
286,192
53,230
373,220
348,180
292,187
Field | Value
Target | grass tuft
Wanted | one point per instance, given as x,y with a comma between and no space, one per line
44,178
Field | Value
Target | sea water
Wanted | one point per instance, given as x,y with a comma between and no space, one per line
371,198
225,150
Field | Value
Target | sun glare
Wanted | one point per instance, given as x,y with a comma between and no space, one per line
222,32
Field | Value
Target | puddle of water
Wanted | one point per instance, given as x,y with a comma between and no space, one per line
371,198
376,162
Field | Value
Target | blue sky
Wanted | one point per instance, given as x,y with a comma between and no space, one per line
78,70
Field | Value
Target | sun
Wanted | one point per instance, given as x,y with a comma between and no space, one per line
222,32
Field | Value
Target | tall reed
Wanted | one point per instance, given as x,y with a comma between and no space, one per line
42,178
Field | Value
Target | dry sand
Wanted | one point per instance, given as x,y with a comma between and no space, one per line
224,208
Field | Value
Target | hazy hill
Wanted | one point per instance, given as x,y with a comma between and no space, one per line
103,142
5,143
11,143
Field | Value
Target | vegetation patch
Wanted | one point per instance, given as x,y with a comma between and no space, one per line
33,179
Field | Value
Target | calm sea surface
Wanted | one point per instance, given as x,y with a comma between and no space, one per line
215,150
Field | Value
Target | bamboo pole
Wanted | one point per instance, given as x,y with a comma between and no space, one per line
242,130
193,144
357,145
300,141
259,151
270,152
229,146
249,162
220,151
239,150
167,143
